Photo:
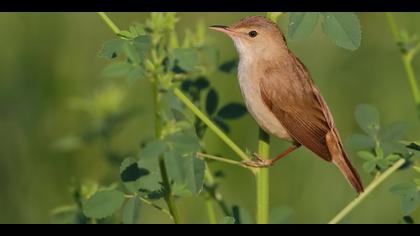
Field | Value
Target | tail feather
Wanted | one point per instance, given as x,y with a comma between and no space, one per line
339,158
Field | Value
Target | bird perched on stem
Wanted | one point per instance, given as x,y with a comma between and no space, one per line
281,96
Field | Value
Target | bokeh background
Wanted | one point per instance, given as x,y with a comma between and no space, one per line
49,60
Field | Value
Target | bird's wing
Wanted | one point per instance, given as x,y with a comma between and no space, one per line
290,93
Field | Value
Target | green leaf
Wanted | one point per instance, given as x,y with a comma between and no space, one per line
281,215
152,150
103,204
132,53
417,183
369,166
136,73
410,202
367,118
407,220
143,44
186,58
379,152
393,157
229,66
111,48
360,141
186,171
212,101
117,69
184,143
131,211
274,16
404,188
132,172
392,132
343,29
209,57
232,111
195,174
302,24
201,83
383,164
367,156
227,220
414,146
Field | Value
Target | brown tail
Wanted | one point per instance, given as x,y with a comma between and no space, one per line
339,158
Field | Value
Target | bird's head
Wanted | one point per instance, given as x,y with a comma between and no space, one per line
254,36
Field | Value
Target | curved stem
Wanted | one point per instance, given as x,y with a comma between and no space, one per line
262,180
407,57
372,186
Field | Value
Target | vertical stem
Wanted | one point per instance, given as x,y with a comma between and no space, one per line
262,180
209,202
211,212
407,57
214,193
163,172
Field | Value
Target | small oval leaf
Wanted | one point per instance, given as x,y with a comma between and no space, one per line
212,101
103,204
343,28
232,111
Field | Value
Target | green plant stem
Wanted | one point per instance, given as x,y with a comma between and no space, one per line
211,188
262,180
184,99
406,58
221,159
372,186
156,207
209,181
109,22
169,198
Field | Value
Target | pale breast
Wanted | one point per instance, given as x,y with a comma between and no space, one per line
250,89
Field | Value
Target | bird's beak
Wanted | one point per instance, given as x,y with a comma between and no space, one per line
221,28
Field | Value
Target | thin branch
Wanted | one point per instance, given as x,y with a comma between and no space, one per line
221,159
156,207
184,99
109,22
372,186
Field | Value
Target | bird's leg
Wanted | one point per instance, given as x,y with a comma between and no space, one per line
261,163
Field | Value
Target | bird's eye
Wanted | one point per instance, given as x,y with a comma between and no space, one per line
253,34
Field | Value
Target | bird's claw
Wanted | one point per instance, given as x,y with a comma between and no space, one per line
258,162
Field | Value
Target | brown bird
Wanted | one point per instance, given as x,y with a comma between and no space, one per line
281,96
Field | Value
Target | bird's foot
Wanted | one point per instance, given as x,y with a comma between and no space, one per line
258,162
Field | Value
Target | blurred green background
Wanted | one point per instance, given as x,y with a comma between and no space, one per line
49,61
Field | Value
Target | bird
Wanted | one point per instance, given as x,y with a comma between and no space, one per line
281,96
